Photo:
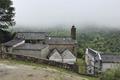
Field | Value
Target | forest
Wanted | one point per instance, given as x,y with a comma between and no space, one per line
105,39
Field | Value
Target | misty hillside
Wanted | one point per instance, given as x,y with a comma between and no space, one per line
103,39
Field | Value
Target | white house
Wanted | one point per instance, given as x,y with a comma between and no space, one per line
97,62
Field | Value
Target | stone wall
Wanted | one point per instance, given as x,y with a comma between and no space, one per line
43,53
106,66
71,67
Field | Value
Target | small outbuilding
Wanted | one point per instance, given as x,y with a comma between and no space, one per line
8,46
97,62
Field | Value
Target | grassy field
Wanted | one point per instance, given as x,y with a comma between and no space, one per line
14,70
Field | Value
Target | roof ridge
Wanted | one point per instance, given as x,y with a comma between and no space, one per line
60,36
96,52
31,32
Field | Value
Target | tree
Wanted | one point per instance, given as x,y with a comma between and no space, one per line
6,17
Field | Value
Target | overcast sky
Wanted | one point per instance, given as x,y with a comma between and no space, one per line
67,12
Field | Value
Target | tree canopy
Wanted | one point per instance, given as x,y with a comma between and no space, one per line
112,74
101,39
6,14
6,19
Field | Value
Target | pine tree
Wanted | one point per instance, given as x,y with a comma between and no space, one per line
6,14
6,19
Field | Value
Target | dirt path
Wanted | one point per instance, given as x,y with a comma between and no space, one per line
26,72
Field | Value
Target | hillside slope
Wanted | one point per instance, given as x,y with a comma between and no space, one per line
12,71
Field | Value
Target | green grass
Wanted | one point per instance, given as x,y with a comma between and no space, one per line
92,78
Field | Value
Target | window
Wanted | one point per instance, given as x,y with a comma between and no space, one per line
43,42
90,71
7,49
96,61
27,41
33,42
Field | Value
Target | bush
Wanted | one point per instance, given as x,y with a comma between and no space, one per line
113,74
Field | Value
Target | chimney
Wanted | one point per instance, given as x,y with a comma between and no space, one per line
73,32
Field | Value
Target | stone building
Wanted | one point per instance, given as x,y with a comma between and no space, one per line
62,43
97,62
19,47
8,46
41,45
32,37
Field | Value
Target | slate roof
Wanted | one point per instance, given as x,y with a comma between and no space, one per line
12,42
52,52
110,58
95,54
31,35
60,50
28,46
105,57
92,52
60,40
67,54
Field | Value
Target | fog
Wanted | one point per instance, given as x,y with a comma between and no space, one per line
67,12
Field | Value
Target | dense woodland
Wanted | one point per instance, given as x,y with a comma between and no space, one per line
101,39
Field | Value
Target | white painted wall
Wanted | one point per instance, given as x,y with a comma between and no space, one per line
69,61
89,60
106,66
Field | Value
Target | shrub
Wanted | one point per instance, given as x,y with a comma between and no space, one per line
113,74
